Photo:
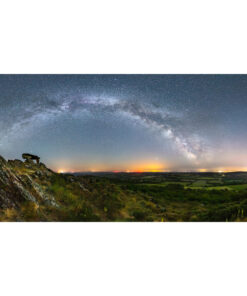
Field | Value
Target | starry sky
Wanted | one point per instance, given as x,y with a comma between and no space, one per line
126,122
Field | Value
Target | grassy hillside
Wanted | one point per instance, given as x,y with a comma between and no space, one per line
31,192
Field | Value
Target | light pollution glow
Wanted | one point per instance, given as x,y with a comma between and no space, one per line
135,168
148,170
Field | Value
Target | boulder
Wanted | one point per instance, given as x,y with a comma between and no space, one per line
30,157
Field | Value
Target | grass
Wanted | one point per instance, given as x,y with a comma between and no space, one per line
199,183
212,188
238,187
171,197
220,187
164,184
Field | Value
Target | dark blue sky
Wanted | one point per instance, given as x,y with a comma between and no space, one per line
126,122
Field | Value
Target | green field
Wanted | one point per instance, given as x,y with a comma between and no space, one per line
183,196
134,197
203,183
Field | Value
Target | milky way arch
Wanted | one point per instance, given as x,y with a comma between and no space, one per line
163,121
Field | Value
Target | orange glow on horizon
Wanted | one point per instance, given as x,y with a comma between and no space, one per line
147,167
142,167
230,170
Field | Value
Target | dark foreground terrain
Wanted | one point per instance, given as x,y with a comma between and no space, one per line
32,192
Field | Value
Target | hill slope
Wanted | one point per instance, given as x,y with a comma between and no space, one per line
32,192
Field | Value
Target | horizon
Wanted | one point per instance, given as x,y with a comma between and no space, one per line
154,172
216,170
136,123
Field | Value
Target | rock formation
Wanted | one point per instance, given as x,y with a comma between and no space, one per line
30,157
18,183
31,192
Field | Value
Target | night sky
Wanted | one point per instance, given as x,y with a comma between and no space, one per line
126,122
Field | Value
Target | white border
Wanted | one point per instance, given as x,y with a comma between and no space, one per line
124,36
57,36
123,259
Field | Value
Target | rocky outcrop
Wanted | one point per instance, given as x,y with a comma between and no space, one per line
30,157
30,191
18,183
